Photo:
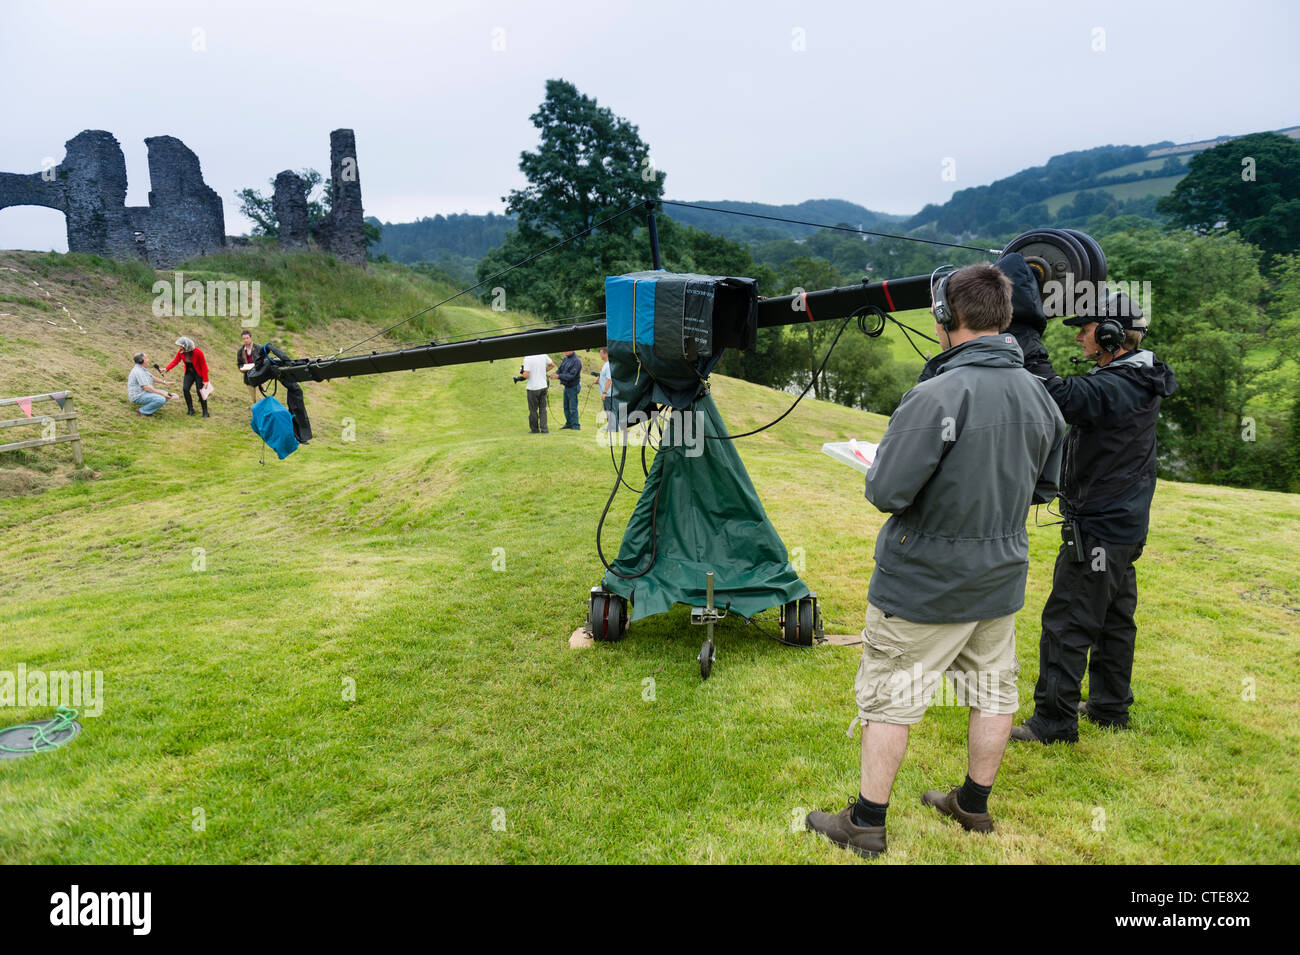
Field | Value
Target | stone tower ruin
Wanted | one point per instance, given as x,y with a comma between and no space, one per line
343,232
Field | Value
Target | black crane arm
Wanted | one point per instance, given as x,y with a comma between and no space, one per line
822,305
1054,255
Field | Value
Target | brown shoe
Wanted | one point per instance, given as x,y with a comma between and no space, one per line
1023,734
947,805
866,841
1086,714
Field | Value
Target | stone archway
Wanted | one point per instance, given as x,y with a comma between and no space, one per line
184,217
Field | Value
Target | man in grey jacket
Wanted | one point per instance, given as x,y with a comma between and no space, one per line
965,454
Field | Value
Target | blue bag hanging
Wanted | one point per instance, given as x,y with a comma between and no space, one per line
274,425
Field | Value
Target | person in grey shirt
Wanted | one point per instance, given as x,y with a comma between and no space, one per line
140,389
966,453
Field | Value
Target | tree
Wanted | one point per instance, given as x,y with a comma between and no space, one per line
1208,324
589,165
810,274
863,373
261,209
1249,185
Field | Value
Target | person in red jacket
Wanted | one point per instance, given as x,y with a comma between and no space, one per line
196,372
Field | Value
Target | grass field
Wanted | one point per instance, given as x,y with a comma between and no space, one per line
232,607
1146,165
1161,186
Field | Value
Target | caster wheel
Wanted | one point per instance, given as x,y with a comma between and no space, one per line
790,622
806,614
608,616
706,659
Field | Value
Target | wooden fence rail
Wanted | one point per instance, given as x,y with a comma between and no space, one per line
48,422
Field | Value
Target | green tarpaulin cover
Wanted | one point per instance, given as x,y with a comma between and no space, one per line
698,510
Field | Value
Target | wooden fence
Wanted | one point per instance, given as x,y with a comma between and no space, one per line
47,422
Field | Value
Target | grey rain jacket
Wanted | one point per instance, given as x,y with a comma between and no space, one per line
965,454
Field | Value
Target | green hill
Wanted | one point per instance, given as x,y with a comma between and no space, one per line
1152,188
745,229
233,606
1068,190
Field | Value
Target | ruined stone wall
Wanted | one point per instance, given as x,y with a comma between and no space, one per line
184,217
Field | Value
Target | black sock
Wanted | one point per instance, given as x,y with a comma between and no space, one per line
868,813
972,797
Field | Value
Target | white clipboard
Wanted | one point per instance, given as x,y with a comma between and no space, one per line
859,455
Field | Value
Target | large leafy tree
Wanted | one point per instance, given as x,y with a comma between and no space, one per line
589,164
1250,186
808,273
1208,321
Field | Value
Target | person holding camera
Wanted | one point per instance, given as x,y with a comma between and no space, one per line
1106,490
965,454
533,372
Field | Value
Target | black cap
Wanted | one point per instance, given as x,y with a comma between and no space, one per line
1119,307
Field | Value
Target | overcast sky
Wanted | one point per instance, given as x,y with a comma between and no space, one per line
764,101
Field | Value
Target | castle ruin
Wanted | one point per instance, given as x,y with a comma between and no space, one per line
184,217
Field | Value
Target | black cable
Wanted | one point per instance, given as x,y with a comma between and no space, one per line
654,518
540,323
509,268
1038,523
811,382
655,421
881,318
617,469
874,331
781,640
906,329
838,228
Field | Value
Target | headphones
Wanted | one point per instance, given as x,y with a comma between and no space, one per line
943,313
1109,335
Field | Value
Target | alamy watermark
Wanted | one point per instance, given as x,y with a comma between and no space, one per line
674,428
918,687
214,298
1088,299
82,690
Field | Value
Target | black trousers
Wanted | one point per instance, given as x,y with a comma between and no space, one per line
192,380
536,408
1087,624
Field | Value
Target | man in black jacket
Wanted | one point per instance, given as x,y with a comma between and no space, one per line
1107,482
569,374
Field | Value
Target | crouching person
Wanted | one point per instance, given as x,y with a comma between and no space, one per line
140,389
965,455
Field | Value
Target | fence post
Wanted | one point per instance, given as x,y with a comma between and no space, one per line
72,430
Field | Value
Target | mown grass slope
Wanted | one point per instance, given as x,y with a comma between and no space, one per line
437,564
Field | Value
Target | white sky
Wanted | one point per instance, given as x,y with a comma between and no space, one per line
881,94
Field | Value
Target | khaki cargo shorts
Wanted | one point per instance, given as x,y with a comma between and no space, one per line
903,665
